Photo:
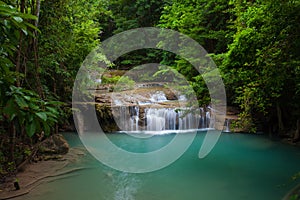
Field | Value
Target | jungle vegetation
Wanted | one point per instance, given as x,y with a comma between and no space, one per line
255,45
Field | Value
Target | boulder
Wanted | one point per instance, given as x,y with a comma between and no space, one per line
56,144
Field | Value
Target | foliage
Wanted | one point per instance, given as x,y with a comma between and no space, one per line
205,22
130,14
20,106
26,110
23,113
78,28
124,83
294,197
110,80
262,60
11,22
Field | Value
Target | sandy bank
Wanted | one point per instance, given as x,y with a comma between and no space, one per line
41,172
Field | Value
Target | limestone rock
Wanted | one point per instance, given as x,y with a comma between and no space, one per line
56,144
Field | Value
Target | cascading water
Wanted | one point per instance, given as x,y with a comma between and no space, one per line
160,119
126,117
159,96
155,117
134,118
227,126
155,120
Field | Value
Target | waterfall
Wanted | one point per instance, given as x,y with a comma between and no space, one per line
202,118
160,119
150,115
207,119
227,126
134,118
127,117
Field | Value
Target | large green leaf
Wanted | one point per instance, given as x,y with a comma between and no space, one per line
42,115
46,128
30,128
21,102
18,19
52,110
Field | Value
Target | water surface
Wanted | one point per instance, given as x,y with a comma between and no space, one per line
239,167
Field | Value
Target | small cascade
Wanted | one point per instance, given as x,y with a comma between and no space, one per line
188,120
127,117
207,119
158,119
159,96
118,102
123,122
202,118
227,126
134,118
182,98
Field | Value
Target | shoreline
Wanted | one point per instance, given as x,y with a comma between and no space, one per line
38,173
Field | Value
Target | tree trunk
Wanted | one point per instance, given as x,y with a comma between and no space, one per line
297,133
37,12
279,117
35,48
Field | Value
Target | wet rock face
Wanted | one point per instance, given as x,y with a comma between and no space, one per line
56,144
106,118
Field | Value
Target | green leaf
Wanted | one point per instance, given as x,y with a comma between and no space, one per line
46,128
27,16
18,19
21,102
52,115
25,31
52,110
27,98
30,117
33,106
30,129
42,115
32,26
